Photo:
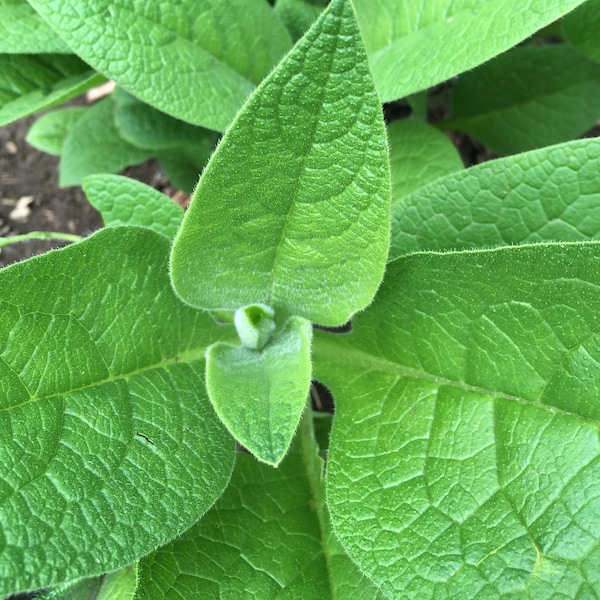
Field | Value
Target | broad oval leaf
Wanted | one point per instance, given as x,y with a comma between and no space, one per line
300,182
465,458
549,194
109,443
194,59
414,45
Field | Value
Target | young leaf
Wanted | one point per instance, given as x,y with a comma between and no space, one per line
511,103
581,27
416,45
464,459
295,557
109,444
297,15
549,194
124,201
29,84
260,394
48,133
196,60
419,154
301,183
93,145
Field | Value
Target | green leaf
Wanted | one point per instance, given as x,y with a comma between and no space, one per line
464,459
301,182
581,27
512,104
93,145
260,394
124,201
418,45
182,166
197,60
109,444
295,557
419,154
48,133
548,194
22,31
29,84
297,16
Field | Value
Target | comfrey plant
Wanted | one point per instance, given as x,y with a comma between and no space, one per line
138,364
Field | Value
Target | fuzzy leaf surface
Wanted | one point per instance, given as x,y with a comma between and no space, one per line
260,394
197,60
109,443
301,182
415,45
464,458
419,154
124,201
30,83
527,98
544,195
582,26
295,556
48,133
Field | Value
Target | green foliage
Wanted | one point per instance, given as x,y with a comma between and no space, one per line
462,458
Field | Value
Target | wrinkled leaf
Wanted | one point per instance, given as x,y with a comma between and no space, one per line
48,133
124,201
527,98
548,194
301,183
109,443
582,26
464,459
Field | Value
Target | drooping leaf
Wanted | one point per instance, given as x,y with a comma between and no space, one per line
48,133
414,45
581,27
30,83
197,60
301,182
419,154
124,201
548,194
296,555
109,443
93,145
464,459
527,98
260,393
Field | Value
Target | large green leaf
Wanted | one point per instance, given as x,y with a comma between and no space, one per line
527,98
268,537
582,26
301,183
109,444
464,459
548,194
29,84
413,45
195,59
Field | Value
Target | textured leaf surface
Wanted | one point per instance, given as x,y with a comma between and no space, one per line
419,154
29,84
48,133
197,60
464,459
527,98
23,31
415,45
124,201
297,15
301,183
548,194
109,443
582,26
93,145
260,394
268,537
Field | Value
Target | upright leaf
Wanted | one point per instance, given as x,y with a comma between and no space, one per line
464,459
194,59
109,444
413,45
301,183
